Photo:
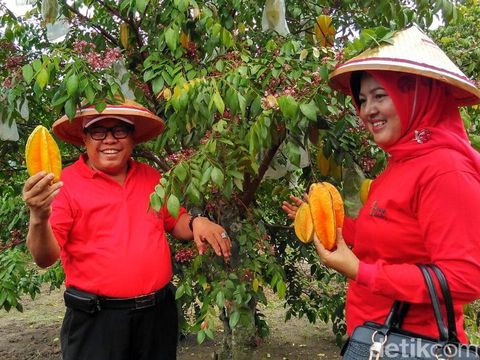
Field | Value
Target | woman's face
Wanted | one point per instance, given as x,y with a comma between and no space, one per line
378,112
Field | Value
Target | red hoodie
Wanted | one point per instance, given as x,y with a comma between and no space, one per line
423,208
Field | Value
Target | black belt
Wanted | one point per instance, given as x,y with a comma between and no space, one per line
133,303
91,303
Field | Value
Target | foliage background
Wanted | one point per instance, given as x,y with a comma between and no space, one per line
250,120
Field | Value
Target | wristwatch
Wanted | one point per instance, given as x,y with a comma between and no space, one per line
193,217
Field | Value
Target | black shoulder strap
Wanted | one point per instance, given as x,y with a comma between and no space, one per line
447,298
442,328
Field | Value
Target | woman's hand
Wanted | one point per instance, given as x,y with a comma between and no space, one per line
341,259
291,208
206,231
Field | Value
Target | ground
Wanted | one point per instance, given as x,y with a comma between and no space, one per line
34,334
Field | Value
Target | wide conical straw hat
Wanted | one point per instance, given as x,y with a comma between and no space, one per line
147,124
411,52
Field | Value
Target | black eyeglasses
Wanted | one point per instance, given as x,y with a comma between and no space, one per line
100,132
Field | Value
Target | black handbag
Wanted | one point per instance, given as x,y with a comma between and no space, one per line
372,341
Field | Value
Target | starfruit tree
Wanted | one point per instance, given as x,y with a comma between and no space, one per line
242,85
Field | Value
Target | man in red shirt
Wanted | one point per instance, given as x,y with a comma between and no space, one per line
112,245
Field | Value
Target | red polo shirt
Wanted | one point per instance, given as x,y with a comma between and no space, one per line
112,243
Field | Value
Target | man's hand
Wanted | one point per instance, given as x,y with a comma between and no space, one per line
206,231
38,194
341,259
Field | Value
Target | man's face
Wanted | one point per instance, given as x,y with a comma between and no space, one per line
111,154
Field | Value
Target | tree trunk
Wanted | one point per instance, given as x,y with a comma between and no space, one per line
237,343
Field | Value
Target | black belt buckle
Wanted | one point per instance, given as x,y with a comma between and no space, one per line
145,301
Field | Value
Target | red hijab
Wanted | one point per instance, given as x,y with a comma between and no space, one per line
430,119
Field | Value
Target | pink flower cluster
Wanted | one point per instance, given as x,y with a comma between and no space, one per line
8,45
14,61
8,82
368,163
98,60
184,256
181,155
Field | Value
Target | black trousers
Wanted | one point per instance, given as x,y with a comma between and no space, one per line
122,334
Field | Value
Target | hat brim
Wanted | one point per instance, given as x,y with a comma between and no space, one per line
412,52
147,125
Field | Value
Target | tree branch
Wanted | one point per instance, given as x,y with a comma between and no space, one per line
9,12
112,10
86,19
143,152
248,195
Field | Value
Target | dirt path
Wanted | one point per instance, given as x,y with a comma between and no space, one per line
34,334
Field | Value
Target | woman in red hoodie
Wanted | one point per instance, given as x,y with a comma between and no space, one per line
425,206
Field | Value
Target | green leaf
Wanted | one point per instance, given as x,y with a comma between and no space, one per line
201,336
288,106
72,85
141,5
149,75
293,153
155,201
89,94
37,65
234,317
303,54
220,299
218,101
160,191
309,110
27,72
173,205
171,38
70,108
180,171
217,176
255,284
100,106
220,65
157,84
238,183
242,103
236,174
42,78
180,291
182,5
209,333
193,194
324,72
281,289
60,100
206,175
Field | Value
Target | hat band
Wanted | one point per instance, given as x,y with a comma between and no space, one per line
87,123
383,61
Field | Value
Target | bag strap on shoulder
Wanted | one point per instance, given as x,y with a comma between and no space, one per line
447,329
447,298
437,310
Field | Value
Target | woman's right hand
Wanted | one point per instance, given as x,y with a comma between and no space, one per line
290,208
38,194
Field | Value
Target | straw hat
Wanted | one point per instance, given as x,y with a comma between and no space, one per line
411,52
147,124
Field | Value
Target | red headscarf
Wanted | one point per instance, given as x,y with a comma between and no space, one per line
429,117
